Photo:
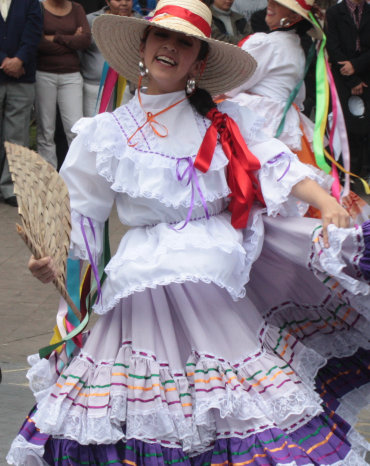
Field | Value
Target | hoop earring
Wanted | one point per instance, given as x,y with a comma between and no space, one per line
284,22
190,86
143,70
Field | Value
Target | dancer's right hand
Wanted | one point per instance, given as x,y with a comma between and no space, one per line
43,269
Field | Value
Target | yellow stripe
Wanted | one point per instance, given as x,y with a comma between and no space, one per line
259,382
207,381
274,377
323,442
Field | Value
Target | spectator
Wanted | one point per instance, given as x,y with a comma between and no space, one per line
58,77
20,32
92,61
226,24
348,44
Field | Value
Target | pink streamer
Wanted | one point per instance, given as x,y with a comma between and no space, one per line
340,126
110,82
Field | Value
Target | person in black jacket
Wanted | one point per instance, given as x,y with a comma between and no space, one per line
20,32
348,45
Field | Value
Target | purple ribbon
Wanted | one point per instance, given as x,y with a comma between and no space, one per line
191,174
275,159
91,259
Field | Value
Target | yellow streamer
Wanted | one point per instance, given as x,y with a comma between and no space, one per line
121,86
338,165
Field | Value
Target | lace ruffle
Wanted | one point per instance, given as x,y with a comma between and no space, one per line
91,399
141,250
339,264
22,452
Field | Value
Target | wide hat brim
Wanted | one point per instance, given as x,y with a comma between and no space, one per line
119,37
296,7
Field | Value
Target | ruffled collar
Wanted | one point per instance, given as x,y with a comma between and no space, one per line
156,103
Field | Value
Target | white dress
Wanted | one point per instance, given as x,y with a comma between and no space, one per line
280,66
199,351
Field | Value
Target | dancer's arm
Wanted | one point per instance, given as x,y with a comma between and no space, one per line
331,211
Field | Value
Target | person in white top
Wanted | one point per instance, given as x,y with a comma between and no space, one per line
281,64
217,313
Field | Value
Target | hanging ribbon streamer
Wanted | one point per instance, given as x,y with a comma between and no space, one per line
111,89
192,179
294,93
241,179
322,104
87,297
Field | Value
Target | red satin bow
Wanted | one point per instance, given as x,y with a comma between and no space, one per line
242,182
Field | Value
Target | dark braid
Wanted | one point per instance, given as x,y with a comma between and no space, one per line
202,101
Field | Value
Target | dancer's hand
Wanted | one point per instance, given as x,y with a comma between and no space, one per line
43,269
332,213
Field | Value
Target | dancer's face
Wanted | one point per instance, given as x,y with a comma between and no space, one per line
171,59
276,12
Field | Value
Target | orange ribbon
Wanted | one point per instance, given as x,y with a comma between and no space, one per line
150,118
241,179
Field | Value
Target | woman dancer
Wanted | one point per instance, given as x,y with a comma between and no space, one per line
184,364
281,64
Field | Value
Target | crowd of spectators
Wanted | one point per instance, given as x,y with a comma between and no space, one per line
49,62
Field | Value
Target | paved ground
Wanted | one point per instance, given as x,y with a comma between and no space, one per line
27,313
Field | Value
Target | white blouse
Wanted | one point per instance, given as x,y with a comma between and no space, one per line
280,66
143,178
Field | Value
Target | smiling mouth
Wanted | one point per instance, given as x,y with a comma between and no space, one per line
166,60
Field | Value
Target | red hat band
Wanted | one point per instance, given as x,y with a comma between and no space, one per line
185,14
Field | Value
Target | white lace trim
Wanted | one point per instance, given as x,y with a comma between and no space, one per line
21,450
59,417
352,403
276,187
334,262
131,270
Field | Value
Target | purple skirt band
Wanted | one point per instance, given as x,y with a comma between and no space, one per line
365,259
321,441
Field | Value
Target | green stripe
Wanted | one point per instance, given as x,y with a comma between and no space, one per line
168,381
317,431
272,369
253,376
208,370
145,377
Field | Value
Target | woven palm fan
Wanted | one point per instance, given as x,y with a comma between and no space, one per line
43,205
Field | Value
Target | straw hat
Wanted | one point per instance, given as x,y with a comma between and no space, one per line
118,38
303,8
